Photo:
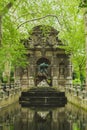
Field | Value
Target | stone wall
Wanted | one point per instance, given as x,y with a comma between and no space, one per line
77,96
9,94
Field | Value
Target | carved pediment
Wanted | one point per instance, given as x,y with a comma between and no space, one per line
43,36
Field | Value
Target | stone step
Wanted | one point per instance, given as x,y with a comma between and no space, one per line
42,89
50,105
43,96
38,94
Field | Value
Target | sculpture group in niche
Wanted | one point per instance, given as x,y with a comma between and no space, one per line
43,73
42,69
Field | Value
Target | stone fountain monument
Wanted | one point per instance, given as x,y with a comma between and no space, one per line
49,67
48,62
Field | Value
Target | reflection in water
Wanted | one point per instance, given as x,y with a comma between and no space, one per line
67,118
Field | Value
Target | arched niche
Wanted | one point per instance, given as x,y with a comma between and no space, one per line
43,71
43,59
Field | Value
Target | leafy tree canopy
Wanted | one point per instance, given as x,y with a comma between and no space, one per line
20,16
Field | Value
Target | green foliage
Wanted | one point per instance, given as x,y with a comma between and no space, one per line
76,126
83,4
76,82
12,49
5,79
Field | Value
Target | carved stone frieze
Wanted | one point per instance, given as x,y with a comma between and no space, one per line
43,36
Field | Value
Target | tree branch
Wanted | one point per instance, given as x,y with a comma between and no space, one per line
49,15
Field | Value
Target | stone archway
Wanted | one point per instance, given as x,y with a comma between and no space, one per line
43,71
45,50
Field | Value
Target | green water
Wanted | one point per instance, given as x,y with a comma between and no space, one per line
65,118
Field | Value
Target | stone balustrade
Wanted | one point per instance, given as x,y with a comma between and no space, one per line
76,95
7,90
76,91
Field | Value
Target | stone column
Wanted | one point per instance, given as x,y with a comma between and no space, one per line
54,72
69,72
31,71
25,78
17,75
62,71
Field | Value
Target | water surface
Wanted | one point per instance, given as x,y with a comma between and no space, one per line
65,118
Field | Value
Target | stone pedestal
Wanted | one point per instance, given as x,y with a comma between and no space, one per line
55,82
69,81
31,82
25,83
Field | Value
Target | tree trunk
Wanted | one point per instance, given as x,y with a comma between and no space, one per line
0,30
7,64
85,20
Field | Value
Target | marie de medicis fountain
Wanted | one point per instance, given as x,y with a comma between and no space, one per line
49,68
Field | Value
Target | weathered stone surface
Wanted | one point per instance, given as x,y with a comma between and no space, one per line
43,47
43,96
